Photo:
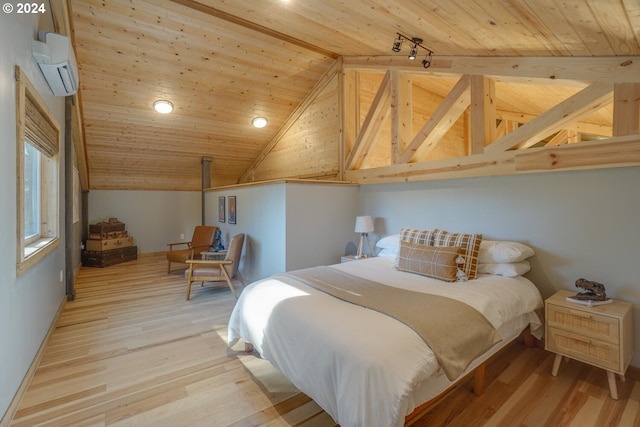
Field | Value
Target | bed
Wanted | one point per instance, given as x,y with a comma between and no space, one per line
364,367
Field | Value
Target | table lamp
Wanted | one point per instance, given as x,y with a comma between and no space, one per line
364,225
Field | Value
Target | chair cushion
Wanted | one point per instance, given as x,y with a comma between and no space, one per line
206,272
181,255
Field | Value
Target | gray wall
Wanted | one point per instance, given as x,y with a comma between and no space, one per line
260,215
288,225
28,304
580,223
320,223
153,218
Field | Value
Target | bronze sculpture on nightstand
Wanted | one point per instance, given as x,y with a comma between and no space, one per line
594,291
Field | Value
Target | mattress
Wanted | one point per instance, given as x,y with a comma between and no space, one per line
362,367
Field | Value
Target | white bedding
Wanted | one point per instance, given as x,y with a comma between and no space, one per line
362,367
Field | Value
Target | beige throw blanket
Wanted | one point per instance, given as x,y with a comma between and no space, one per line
456,332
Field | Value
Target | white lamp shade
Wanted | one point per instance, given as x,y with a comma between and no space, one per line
364,224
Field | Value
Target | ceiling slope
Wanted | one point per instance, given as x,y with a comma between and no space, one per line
224,62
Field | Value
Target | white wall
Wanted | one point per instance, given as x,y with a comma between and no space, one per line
28,304
580,223
153,218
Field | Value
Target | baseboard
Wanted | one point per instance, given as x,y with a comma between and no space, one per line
26,381
149,254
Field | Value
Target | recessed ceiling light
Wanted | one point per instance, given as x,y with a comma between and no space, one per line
259,122
163,106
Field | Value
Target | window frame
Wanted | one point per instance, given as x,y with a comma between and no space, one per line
29,252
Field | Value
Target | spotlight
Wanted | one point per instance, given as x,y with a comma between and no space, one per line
397,45
414,52
426,63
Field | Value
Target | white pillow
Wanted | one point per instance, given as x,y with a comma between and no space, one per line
508,269
390,242
388,253
390,245
498,251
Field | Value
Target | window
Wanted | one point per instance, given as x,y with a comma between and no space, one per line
38,137
31,193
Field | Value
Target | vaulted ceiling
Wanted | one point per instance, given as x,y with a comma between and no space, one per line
224,62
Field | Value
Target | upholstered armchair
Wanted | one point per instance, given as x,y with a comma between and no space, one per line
201,241
212,270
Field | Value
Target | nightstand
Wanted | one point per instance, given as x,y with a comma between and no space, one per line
601,336
349,258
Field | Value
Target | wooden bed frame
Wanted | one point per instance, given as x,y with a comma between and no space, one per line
479,376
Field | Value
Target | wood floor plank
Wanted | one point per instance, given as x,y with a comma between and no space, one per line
631,414
131,351
556,392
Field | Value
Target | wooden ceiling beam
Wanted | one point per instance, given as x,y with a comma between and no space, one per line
449,110
584,127
532,69
221,14
378,113
626,109
581,104
613,152
483,113
558,139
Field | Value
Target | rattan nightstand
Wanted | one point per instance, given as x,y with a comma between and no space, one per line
601,336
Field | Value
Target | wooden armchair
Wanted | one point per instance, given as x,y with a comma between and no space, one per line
213,270
201,241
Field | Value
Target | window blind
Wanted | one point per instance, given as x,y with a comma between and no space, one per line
38,130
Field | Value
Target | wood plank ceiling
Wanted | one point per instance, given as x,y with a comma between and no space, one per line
224,62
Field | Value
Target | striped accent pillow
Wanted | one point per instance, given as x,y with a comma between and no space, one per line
436,262
470,244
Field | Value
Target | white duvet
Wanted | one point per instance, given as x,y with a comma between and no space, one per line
361,366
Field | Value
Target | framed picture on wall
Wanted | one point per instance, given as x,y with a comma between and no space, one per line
232,209
221,209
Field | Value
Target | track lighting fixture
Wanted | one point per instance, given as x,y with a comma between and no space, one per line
416,42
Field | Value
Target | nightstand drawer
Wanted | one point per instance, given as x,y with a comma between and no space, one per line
599,353
585,323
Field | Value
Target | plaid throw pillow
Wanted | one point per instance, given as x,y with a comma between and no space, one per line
436,262
417,236
470,244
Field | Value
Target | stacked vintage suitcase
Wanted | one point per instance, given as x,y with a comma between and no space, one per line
109,243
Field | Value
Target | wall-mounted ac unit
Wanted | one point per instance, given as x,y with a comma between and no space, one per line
54,54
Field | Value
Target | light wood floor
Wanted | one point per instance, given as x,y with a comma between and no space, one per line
131,351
